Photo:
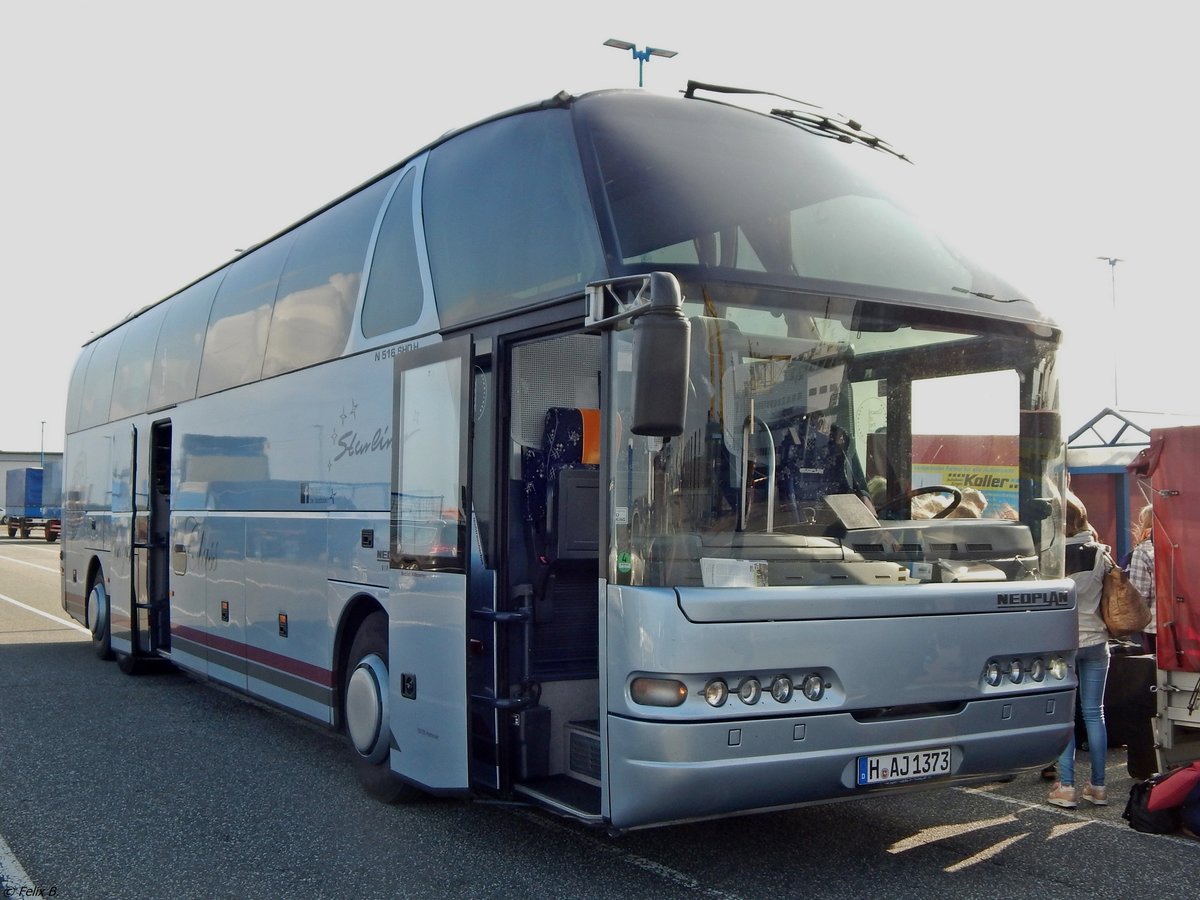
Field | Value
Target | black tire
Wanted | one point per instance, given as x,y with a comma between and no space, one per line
365,704
99,617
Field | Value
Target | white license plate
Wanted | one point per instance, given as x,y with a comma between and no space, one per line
886,767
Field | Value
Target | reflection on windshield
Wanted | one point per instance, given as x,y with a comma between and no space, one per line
775,204
800,463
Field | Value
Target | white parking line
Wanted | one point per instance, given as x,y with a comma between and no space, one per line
13,879
1078,816
53,618
25,562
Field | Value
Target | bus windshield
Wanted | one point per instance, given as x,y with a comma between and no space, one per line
741,195
831,441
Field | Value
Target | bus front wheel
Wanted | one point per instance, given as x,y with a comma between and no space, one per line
365,700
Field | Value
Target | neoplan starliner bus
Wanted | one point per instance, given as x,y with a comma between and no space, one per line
595,456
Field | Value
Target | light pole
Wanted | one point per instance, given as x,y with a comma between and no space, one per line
1112,268
42,452
642,56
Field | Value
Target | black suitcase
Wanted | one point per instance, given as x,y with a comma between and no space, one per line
1129,708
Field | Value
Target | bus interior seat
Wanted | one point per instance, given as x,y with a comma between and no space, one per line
812,463
562,510
815,461
571,446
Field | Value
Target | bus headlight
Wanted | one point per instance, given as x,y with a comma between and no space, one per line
716,692
813,687
1037,669
781,688
1058,668
658,691
749,691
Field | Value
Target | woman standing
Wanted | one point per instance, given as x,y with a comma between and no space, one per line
1087,564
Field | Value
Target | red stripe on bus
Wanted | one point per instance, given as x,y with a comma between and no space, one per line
307,671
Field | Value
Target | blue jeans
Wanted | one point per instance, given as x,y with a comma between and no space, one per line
1091,663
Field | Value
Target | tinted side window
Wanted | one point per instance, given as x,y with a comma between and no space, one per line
507,218
97,384
319,285
75,388
241,315
394,294
132,382
180,342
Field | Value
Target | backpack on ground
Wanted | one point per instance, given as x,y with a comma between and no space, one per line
1139,815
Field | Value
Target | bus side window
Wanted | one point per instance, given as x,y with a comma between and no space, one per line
131,385
176,365
394,294
318,289
98,382
241,314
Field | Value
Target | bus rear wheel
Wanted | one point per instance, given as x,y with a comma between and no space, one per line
366,703
99,618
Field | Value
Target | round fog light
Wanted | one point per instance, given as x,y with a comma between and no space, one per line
813,687
1037,669
781,689
994,674
1015,672
1058,668
749,691
716,692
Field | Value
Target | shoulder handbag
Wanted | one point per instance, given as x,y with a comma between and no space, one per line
1123,609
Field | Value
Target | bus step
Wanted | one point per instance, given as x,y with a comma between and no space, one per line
568,796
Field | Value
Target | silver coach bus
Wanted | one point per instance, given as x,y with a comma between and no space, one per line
643,458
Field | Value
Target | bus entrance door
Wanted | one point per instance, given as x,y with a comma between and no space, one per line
158,572
149,540
427,610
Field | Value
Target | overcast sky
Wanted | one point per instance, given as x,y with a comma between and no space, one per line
144,143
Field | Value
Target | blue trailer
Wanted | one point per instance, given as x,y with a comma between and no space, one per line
33,499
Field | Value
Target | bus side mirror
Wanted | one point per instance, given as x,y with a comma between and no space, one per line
661,338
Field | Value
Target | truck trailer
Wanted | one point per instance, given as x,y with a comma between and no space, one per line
1172,463
33,499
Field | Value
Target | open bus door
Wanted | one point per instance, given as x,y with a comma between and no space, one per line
429,549
149,538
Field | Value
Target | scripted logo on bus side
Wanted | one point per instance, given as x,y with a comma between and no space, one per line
349,441
1034,600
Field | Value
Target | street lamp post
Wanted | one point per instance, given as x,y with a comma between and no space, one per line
42,452
1116,331
642,56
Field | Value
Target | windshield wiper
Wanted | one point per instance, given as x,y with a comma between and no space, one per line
991,297
817,122
848,131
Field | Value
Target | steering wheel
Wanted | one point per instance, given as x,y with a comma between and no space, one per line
955,493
